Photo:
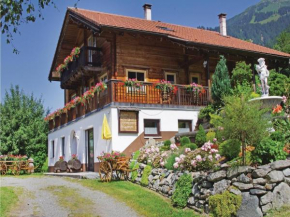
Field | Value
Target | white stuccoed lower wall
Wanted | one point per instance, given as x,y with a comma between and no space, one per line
120,141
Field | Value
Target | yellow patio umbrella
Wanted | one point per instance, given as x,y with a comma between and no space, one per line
106,132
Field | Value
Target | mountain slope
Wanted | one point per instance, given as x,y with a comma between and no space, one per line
261,23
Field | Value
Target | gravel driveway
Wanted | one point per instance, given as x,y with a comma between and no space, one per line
38,201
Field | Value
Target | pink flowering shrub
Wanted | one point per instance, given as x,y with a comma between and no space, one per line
199,159
153,156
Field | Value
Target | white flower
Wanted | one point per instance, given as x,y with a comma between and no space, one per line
210,157
193,163
217,156
177,159
173,147
187,150
162,163
198,158
175,165
182,156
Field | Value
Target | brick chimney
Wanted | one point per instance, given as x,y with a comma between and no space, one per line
223,24
147,11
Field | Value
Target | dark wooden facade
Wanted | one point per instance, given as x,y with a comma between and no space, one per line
115,51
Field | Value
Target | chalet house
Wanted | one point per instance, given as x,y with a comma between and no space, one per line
113,49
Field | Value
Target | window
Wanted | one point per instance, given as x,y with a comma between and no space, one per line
195,78
139,75
52,149
151,127
104,78
63,146
92,42
169,76
184,126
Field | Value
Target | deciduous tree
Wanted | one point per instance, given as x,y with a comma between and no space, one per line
23,129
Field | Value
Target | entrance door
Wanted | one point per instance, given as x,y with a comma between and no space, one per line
90,145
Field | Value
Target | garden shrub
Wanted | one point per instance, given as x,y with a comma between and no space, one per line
44,167
268,151
278,136
170,161
242,73
167,143
210,136
184,140
182,191
146,172
135,172
225,204
200,137
230,148
254,95
134,159
278,83
192,146
204,113
199,159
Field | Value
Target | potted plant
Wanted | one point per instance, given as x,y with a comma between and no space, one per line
167,89
133,83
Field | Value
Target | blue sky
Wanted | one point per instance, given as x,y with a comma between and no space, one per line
37,42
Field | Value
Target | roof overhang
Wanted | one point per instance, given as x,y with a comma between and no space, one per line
70,16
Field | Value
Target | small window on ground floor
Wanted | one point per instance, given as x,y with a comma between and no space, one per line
151,127
184,126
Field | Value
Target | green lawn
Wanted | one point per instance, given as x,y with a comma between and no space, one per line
9,197
282,212
142,200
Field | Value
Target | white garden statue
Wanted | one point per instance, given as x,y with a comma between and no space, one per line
263,74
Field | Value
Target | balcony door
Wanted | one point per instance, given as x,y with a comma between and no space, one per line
90,149
92,42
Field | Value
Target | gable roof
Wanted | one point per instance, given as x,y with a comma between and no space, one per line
187,34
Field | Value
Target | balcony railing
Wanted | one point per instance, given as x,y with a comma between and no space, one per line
89,56
147,95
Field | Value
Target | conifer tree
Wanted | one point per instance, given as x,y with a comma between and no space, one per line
221,83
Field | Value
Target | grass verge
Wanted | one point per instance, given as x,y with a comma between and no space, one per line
142,200
69,199
282,212
9,196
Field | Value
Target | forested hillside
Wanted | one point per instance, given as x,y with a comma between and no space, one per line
261,23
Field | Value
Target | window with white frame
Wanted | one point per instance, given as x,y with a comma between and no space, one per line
52,149
151,127
171,77
184,126
139,75
63,146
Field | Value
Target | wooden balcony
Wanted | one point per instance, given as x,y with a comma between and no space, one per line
147,95
86,65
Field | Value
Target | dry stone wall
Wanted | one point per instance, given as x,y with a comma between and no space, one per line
262,188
